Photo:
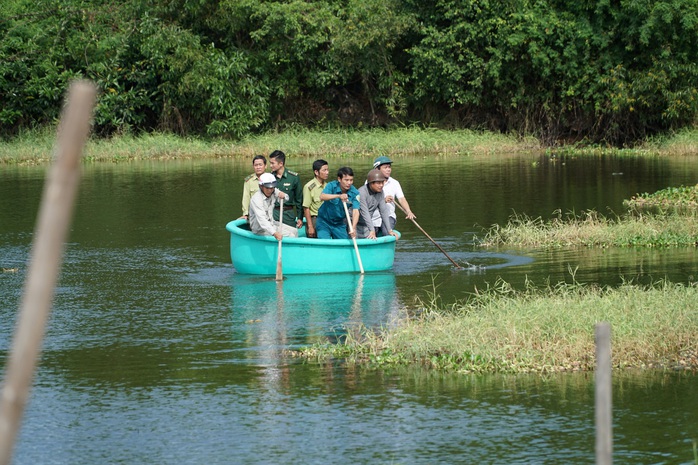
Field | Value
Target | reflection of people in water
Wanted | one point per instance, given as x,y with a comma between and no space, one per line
268,318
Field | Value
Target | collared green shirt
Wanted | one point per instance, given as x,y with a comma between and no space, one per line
311,195
289,183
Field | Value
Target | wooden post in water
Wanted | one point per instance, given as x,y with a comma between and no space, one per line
53,222
604,413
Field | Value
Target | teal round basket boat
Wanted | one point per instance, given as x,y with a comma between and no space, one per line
253,254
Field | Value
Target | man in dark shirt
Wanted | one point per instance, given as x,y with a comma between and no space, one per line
289,183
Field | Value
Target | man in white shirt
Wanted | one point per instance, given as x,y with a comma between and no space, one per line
393,193
262,207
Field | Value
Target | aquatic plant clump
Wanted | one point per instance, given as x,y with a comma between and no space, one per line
682,199
591,229
538,330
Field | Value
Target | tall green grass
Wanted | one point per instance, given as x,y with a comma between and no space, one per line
35,147
397,141
684,142
591,229
538,330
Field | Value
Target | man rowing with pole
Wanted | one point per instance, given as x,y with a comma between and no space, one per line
392,190
331,217
261,210
289,183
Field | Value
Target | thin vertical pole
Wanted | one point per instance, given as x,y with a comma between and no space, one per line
604,415
53,222
351,230
279,265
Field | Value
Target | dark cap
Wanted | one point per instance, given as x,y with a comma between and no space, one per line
382,161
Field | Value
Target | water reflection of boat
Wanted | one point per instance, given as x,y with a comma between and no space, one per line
309,308
253,254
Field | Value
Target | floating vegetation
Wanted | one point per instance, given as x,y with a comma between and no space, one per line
539,329
682,200
666,218
591,229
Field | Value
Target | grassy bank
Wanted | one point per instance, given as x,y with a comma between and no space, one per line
591,229
537,330
681,199
682,143
666,218
36,147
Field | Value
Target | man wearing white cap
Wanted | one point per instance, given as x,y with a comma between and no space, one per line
261,210
393,193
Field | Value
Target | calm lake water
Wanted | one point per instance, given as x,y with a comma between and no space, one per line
158,352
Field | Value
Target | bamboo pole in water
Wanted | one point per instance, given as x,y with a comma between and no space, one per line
603,399
53,222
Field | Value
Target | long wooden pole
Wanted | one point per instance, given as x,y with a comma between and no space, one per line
351,229
603,398
279,268
425,233
53,222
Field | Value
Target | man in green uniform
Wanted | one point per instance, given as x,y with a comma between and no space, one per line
251,185
289,183
311,195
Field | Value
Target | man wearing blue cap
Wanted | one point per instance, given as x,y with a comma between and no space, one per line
393,193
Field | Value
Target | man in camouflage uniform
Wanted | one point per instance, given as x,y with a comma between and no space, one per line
289,183
251,185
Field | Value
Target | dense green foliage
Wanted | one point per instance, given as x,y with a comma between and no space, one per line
555,69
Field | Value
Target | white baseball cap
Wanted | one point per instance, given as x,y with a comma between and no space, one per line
267,180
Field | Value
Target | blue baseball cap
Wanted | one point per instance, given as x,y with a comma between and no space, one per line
382,161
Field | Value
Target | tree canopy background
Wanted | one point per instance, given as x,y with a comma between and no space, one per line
606,71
